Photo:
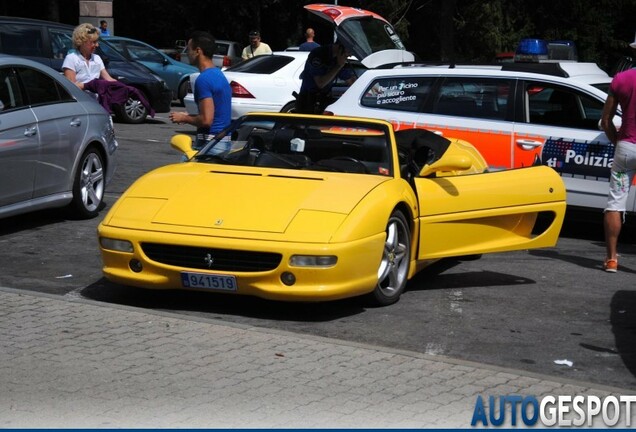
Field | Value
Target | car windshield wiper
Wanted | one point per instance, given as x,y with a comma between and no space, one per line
207,157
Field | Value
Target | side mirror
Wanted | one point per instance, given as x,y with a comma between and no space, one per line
460,158
183,144
447,163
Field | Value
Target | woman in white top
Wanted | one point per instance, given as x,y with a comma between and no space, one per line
82,64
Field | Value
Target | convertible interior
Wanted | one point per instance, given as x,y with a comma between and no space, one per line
321,147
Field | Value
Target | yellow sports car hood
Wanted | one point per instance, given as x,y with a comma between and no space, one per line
239,199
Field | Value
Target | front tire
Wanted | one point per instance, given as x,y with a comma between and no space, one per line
133,111
89,185
394,267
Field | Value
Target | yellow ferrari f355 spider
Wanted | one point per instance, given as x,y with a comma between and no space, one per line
309,208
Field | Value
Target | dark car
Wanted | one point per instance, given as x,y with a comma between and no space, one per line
48,42
173,72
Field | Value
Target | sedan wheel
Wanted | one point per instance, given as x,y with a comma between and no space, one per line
133,111
394,267
289,108
88,186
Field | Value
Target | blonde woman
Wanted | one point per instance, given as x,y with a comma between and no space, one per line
82,65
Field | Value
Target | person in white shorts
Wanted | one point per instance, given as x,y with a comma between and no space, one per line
622,91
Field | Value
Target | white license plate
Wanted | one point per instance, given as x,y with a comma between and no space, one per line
208,281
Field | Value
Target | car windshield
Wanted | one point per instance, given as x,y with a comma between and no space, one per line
107,52
222,48
263,64
301,143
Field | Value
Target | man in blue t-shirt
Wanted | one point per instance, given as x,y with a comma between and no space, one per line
309,43
324,64
103,28
212,94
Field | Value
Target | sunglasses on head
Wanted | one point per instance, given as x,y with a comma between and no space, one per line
91,31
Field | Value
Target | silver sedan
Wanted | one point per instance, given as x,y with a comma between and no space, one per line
57,144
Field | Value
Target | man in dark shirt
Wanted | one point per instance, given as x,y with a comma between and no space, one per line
324,64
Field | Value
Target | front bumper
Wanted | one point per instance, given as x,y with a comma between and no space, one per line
354,274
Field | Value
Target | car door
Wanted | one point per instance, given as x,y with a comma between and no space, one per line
562,122
19,144
488,212
61,127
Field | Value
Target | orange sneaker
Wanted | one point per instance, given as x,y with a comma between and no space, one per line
611,265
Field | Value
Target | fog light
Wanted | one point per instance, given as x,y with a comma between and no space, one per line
135,265
288,278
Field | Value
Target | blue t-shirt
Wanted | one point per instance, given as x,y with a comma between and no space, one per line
212,83
308,46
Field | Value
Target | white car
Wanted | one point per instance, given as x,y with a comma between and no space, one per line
262,83
516,114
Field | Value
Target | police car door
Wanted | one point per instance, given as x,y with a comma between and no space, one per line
477,109
563,122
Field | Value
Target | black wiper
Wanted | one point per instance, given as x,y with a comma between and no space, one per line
206,157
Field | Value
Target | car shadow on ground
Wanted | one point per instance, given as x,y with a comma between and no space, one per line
435,277
34,220
581,261
218,305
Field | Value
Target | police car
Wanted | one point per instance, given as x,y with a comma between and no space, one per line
517,114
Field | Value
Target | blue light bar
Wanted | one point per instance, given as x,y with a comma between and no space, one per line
531,50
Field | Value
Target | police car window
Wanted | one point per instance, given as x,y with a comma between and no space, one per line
553,105
399,94
473,97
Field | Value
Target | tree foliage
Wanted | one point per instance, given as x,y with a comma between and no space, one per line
436,30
